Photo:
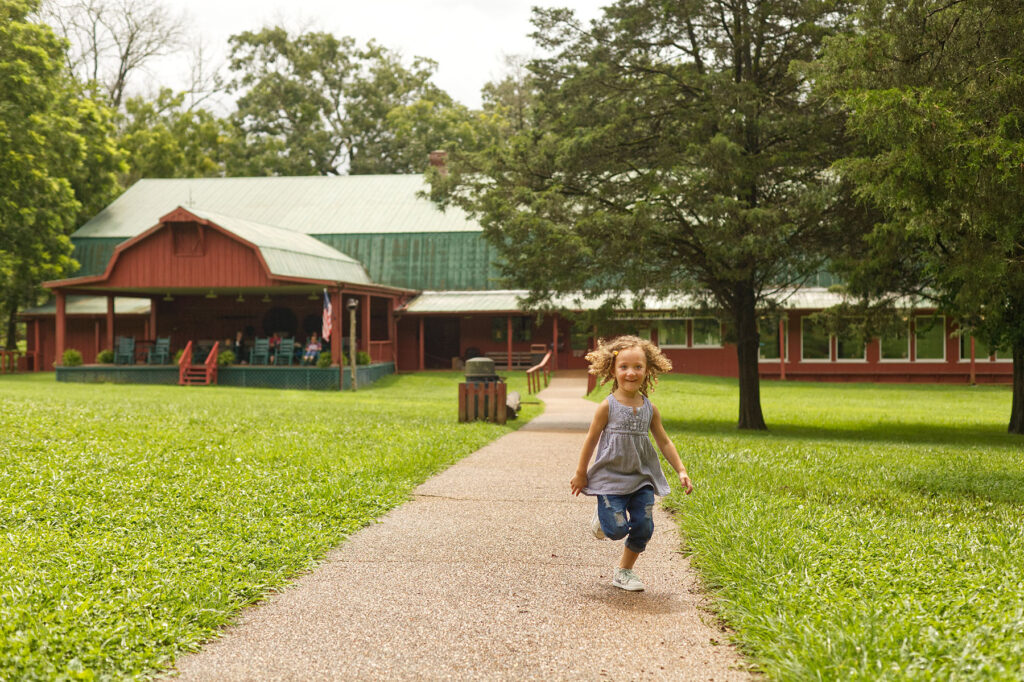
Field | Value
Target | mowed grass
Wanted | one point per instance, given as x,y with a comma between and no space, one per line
875,532
136,520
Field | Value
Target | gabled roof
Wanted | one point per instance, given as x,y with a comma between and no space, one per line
289,254
352,204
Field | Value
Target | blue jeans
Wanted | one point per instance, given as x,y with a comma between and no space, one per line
628,515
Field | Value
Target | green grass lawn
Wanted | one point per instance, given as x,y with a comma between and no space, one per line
135,520
875,532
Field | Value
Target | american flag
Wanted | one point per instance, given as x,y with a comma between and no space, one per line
325,333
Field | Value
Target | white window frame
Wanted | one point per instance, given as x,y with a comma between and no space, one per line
942,325
693,334
882,358
785,345
686,332
803,339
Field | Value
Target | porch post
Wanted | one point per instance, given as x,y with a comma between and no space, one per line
364,340
60,320
782,349
336,328
152,318
554,340
422,365
96,330
37,360
393,331
110,321
508,341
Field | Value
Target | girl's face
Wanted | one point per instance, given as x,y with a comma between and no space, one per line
630,369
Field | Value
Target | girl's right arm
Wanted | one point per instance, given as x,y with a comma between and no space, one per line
579,479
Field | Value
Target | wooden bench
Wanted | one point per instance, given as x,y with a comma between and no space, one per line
519,358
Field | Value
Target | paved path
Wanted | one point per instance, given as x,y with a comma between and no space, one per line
488,573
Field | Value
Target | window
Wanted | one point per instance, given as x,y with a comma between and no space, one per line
768,330
896,347
672,333
707,331
850,346
930,337
814,340
521,329
965,349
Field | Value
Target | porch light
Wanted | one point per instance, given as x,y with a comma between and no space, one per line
210,294
313,296
240,299
266,298
168,297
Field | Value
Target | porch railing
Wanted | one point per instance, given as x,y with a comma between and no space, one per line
380,351
541,370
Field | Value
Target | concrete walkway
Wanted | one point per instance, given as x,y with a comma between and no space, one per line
488,573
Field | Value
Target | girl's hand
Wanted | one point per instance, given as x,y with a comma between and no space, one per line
578,483
684,481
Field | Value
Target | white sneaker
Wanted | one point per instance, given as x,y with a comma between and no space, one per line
595,527
626,579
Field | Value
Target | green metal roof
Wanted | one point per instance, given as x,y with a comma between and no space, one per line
351,204
93,305
289,254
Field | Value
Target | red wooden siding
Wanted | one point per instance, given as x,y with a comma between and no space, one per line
152,263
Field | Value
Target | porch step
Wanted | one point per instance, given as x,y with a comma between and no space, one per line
196,375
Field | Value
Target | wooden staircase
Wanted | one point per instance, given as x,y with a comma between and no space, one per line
190,374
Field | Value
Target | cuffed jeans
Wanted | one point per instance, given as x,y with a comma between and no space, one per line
628,516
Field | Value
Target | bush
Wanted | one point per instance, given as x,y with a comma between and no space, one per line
324,360
226,357
71,358
105,357
177,355
362,358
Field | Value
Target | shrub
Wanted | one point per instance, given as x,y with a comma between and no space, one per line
105,357
226,357
71,358
177,355
362,358
324,360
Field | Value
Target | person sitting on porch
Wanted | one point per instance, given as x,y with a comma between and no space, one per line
312,352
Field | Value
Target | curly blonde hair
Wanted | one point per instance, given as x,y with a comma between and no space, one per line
602,360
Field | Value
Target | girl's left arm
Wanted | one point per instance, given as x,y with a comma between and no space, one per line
668,450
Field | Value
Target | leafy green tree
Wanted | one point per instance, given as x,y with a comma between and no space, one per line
669,148
315,104
935,94
57,159
166,139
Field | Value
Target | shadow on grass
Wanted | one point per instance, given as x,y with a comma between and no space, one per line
995,486
918,434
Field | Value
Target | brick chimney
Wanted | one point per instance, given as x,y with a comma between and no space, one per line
439,160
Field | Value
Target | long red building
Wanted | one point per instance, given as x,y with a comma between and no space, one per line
221,259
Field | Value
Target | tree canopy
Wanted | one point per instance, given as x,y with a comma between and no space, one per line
935,95
670,148
57,159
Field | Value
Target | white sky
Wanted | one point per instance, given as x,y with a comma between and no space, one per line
468,38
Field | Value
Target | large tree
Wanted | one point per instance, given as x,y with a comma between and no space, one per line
670,148
316,104
57,158
935,94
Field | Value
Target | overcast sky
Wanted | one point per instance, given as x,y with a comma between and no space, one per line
468,38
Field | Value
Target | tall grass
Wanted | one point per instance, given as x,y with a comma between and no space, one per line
875,532
135,520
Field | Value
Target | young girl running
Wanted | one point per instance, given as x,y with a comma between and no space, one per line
626,474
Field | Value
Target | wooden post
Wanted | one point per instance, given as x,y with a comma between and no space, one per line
422,354
782,349
393,331
60,320
365,335
336,330
973,376
96,329
554,341
110,322
508,341
152,318
352,347
37,359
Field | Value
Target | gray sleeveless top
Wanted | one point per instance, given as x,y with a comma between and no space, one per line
626,460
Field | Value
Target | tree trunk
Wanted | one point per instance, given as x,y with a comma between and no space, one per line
1017,406
747,345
